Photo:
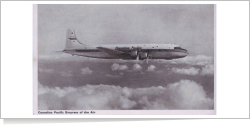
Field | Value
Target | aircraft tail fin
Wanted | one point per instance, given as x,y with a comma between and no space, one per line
71,40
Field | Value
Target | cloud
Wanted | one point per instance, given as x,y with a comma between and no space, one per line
45,70
184,94
56,91
123,67
207,70
113,76
137,67
189,71
190,94
86,71
196,60
151,68
116,66
67,74
200,60
42,89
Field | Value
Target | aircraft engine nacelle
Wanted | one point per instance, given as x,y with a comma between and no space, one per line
143,55
133,53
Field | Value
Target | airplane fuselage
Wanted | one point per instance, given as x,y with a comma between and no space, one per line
122,51
130,51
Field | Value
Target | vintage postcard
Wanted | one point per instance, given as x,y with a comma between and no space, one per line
124,59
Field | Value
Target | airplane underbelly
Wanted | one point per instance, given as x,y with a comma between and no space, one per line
92,54
152,55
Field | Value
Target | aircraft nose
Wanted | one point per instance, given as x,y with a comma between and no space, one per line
182,54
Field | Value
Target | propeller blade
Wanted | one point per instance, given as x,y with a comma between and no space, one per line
137,58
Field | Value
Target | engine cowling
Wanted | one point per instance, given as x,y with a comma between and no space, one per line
133,53
143,55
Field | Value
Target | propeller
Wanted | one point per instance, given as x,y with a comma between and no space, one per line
137,53
137,58
147,56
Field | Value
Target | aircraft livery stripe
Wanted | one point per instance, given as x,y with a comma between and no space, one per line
73,38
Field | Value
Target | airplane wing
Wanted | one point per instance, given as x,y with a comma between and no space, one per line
109,51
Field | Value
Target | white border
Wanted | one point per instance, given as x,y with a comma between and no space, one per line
232,73
35,59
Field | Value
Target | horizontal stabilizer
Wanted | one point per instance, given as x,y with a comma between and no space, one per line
109,51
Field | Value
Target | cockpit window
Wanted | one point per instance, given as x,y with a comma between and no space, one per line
179,48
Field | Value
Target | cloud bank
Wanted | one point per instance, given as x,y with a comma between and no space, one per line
116,66
207,70
45,70
200,60
184,94
137,67
86,71
66,74
186,71
113,76
151,68
195,60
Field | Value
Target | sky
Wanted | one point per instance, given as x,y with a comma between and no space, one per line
190,26
68,82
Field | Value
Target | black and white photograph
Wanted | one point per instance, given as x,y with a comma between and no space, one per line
125,57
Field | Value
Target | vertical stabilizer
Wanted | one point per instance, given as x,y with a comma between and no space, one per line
71,40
